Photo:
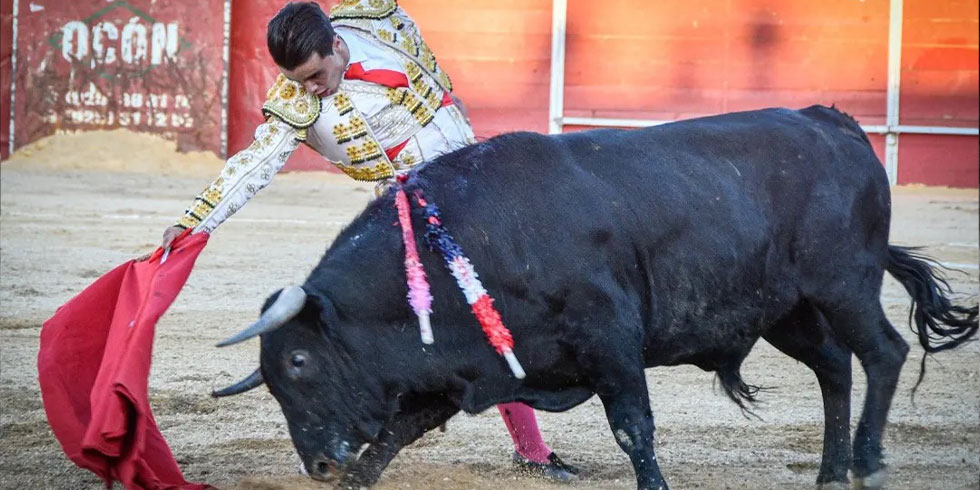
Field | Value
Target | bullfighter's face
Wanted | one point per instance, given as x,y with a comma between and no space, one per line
316,386
321,75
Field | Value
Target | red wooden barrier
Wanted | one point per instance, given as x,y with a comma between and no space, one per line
6,48
138,64
656,60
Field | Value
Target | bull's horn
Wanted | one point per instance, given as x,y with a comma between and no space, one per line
253,380
287,305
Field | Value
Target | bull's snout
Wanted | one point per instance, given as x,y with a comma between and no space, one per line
324,462
323,469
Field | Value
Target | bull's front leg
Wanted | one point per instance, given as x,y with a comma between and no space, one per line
416,416
607,328
628,411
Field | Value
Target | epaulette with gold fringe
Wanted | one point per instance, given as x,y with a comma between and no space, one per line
363,9
292,103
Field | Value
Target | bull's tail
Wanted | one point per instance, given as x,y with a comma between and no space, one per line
939,323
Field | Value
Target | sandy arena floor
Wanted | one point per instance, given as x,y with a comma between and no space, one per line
62,227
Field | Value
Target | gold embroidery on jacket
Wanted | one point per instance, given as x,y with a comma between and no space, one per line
387,35
346,132
204,203
343,104
406,98
363,9
407,160
444,78
396,30
364,156
290,102
423,85
428,59
369,150
383,170
410,46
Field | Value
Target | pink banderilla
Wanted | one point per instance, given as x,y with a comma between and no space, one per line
481,303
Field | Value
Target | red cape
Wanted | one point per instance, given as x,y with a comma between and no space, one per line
94,364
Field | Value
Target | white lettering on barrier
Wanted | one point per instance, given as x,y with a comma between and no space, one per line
89,97
90,107
158,101
133,41
164,41
94,117
74,37
130,42
111,33
136,43
133,100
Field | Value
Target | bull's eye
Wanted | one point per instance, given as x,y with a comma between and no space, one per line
297,363
298,360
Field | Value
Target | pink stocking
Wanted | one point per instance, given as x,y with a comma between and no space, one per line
523,427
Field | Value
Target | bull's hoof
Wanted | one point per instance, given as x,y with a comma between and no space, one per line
873,481
834,485
555,469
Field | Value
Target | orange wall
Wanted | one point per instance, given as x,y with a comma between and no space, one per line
940,85
498,53
676,59
939,63
670,60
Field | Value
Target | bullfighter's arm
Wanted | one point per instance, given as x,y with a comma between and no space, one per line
290,110
244,174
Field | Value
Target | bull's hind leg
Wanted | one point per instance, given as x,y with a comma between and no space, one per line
805,336
860,323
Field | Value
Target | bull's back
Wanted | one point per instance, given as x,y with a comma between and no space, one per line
767,154
758,172
761,169
696,220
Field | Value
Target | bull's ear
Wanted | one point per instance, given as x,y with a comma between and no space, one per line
322,307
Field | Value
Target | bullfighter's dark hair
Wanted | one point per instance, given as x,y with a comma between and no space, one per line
296,32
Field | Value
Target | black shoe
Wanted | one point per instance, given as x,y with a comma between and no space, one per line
555,469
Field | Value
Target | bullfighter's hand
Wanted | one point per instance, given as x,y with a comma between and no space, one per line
169,235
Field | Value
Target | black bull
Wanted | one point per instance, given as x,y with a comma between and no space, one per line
608,252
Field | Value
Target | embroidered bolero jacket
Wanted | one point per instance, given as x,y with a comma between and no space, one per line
392,111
